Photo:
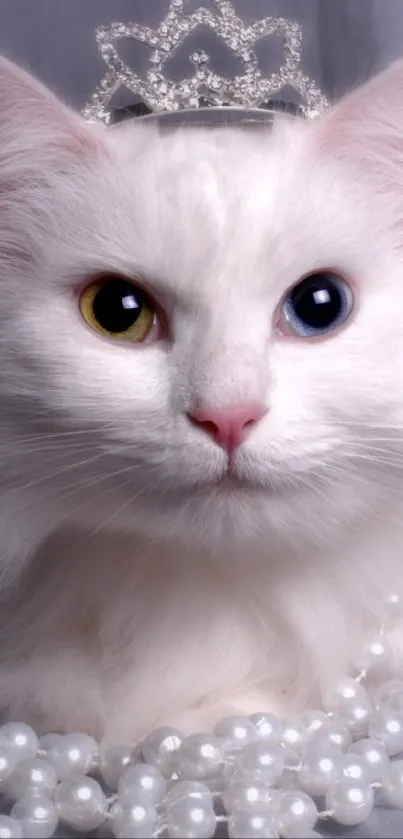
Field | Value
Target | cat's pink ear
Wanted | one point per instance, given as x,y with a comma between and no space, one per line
31,116
368,123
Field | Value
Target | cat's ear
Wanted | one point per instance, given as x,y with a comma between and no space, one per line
368,123
32,119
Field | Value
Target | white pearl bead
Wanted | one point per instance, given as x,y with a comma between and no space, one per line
141,783
190,819
289,778
114,760
246,793
393,784
387,726
295,737
334,736
265,760
75,753
392,607
37,816
135,822
319,769
395,702
390,695
375,756
304,834
8,762
354,768
297,810
350,802
346,691
256,825
188,789
34,775
137,754
160,748
81,803
19,739
268,727
200,757
291,759
313,721
355,715
375,656
48,740
10,828
236,731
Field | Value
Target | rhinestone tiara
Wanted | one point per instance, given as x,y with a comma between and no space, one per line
245,97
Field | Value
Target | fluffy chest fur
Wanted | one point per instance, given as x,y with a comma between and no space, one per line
172,637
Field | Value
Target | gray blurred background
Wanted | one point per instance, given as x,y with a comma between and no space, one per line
345,40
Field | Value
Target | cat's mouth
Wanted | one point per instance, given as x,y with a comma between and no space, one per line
230,481
233,483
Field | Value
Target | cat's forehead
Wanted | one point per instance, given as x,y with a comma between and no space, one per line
209,169
206,202
231,209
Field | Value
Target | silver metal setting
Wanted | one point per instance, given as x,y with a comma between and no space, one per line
247,91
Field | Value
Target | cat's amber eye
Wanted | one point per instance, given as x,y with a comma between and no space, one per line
118,309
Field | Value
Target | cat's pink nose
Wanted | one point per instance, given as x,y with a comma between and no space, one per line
228,426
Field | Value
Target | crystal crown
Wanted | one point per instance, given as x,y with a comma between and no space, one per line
204,88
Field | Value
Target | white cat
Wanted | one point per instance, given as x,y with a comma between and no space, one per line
201,422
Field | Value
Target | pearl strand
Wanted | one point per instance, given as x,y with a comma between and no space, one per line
260,776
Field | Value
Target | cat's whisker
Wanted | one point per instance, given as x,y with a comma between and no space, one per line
52,451
346,467
95,430
93,498
38,439
362,424
57,472
375,457
119,510
82,504
84,485
369,441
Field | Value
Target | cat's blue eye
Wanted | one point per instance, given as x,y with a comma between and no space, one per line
319,303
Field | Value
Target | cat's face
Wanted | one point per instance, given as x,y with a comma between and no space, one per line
217,228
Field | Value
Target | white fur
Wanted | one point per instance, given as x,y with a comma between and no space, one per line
133,594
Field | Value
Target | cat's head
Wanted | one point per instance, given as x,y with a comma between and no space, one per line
202,330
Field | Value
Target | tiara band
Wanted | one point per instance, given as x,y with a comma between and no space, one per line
241,98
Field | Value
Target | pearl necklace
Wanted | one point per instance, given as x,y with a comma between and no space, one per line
259,776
